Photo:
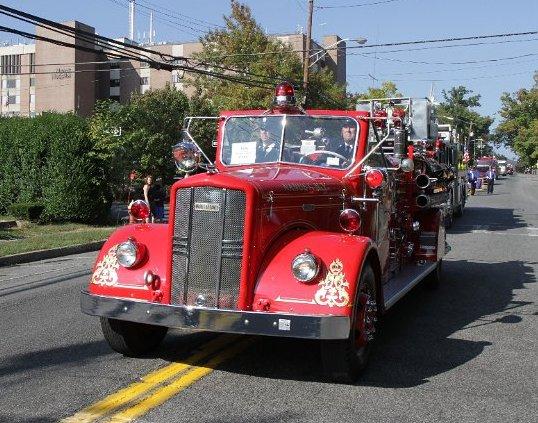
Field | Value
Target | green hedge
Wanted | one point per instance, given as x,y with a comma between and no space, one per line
26,211
50,160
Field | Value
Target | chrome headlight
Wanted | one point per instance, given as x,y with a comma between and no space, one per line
305,267
128,253
186,156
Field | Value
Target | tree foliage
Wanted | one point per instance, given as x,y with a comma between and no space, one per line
387,89
456,109
139,135
519,127
49,160
242,50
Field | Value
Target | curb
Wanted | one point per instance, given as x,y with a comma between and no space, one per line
52,253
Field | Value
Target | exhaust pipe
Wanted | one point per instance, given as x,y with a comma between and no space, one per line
423,181
424,200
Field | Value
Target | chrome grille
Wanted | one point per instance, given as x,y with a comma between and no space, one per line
208,247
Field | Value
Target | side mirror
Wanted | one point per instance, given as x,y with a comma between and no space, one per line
187,156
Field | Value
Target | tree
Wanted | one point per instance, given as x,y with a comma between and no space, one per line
243,51
519,127
387,89
456,110
139,136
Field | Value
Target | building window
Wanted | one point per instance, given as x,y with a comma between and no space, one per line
13,99
177,78
32,82
144,80
32,98
10,64
11,83
114,82
32,62
114,65
115,98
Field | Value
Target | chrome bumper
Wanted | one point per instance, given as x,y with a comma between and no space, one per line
229,321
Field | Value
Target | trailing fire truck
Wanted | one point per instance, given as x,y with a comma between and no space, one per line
309,224
448,151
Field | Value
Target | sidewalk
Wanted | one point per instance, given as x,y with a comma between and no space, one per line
118,212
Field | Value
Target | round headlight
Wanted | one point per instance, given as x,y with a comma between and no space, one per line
305,267
127,254
186,156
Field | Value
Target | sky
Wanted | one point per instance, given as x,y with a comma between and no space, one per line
500,65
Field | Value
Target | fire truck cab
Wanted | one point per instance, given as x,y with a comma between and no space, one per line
309,224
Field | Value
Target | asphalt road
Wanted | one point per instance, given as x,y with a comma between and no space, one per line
466,352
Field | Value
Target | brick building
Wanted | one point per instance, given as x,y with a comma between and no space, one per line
47,77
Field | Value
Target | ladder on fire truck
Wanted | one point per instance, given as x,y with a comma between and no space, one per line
417,115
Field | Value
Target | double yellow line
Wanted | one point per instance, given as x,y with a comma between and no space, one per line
159,386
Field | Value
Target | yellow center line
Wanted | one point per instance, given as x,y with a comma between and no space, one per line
163,394
126,395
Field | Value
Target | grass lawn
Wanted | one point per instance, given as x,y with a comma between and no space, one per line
33,237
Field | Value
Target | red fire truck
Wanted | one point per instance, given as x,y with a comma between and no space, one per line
309,224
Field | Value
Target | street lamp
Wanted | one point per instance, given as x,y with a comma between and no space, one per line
324,53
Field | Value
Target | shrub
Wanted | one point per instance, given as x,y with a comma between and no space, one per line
26,211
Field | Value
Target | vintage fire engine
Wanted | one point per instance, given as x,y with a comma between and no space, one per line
309,224
448,152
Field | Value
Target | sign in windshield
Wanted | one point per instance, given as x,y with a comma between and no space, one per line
313,140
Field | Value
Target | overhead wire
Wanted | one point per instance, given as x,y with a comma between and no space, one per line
344,6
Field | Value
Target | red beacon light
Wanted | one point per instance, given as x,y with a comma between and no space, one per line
350,220
139,209
380,118
374,178
398,116
284,95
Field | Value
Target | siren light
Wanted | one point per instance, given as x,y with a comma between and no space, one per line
284,94
374,178
398,116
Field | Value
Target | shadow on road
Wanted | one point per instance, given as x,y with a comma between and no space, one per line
492,219
417,340
69,355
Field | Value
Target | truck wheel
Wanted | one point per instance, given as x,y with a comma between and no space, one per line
343,360
433,280
130,338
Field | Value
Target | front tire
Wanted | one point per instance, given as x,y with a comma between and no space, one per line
132,339
343,360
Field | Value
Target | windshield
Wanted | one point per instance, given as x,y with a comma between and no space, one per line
482,169
320,141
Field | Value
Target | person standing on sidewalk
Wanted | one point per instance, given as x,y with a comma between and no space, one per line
472,178
490,176
148,196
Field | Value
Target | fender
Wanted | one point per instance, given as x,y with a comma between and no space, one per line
332,292
111,279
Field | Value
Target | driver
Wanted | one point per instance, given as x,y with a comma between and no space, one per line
268,147
344,146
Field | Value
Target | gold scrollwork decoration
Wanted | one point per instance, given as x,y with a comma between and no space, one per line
333,289
106,271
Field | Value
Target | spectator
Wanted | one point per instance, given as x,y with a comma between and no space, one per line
157,197
490,176
472,177
148,195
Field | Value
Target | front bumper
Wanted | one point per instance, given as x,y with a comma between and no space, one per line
216,320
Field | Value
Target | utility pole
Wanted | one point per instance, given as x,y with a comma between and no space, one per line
306,62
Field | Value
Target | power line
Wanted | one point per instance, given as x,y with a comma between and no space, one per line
456,63
343,6
191,18
437,47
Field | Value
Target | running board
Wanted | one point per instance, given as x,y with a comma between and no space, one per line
404,281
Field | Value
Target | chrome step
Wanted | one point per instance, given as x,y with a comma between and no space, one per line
404,281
